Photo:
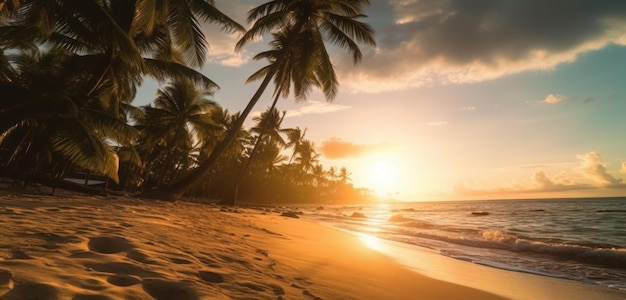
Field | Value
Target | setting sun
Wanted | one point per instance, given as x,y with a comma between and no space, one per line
384,177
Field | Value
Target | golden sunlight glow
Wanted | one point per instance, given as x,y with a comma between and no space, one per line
371,241
384,176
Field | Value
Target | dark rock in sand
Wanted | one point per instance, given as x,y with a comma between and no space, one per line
320,208
480,213
290,214
358,215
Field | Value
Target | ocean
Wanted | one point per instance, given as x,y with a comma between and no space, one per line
577,239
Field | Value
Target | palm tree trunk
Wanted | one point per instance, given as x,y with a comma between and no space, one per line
176,190
243,171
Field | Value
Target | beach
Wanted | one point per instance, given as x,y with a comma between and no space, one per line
88,247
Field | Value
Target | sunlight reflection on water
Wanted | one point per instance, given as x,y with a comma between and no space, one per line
371,241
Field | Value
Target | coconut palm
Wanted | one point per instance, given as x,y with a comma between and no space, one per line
344,175
295,136
119,41
307,156
41,118
180,111
302,23
269,134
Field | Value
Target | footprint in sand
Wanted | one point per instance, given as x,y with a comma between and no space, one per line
211,277
17,253
167,290
307,293
91,297
179,261
32,290
109,244
123,280
5,277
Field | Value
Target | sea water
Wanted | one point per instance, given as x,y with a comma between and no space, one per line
578,239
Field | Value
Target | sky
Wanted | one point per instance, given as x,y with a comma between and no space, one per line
482,99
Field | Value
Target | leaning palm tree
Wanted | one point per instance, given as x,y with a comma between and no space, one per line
303,24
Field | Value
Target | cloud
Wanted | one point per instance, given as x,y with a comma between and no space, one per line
623,169
311,107
468,108
459,41
221,44
591,166
316,107
554,99
437,123
335,148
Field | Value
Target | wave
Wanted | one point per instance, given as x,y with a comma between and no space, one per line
611,257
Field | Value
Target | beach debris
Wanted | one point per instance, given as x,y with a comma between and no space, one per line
320,208
290,214
358,215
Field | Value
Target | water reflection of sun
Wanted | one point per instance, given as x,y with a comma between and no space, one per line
371,241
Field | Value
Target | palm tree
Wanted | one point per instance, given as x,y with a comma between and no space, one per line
269,132
180,110
42,119
307,156
120,41
332,173
344,175
295,137
302,23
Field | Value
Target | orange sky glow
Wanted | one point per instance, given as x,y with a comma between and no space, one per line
462,103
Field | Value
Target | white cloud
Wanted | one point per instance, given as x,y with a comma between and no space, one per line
623,169
437,123
590,166
593,167
316,107
468,108
451,41
221,44
554,99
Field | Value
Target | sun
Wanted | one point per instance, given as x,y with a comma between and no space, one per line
383,177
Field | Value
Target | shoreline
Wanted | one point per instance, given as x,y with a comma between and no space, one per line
503,282
87,247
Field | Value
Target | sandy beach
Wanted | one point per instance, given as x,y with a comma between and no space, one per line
82,247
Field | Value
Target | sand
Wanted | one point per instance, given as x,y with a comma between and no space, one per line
82,247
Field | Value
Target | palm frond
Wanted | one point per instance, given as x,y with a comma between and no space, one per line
207,12
163,70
